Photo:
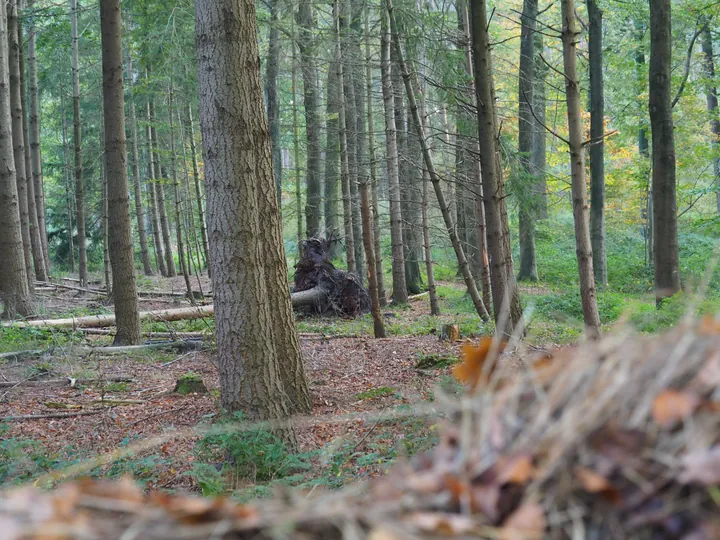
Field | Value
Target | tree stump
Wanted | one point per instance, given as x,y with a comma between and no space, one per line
450,332
190,383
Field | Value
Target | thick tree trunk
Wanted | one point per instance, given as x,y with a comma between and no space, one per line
154,214
176,191
18,137
77,142
35,150
121,250
137,185
526,129
373,165
272,105
506,298
583,247
14,283
597,143
712,105
35,230
306,44
667,264
400,295
159,185
198,194
452,231
261,369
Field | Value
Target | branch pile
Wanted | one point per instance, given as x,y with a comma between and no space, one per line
616,439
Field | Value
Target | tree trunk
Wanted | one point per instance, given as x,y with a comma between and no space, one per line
462,261
296,146
538,158
154,214
121,249
104,220
35,229
18,137
77,142
712,106
583,247
14,283
198,195
68,189
526,129
643,143
35,149
272,104
597,143
506,298
306,44
380,278
400,295
378,325
260,374
332,158
137,184
667,265
159,185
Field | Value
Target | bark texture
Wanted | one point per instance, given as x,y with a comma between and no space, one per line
120,233
14,286
583,247
261,369
198,191
154,214
665,233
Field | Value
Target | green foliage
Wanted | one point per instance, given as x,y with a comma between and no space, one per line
118,387
436,360
375,393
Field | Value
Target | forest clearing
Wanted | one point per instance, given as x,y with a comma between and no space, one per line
380,269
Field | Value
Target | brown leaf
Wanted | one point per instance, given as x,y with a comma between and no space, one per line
702,467
591,481
445,524
672,406
525,523
515,470
470,372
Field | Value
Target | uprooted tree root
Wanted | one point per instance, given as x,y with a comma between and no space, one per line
616,439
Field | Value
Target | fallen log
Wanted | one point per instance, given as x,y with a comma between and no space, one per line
83,350
47,415
65,382
162,335
99,292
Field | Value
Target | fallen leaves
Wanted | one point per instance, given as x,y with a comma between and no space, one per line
673,406
702,467
472,370
526,523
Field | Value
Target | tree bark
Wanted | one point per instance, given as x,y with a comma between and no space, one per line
272,104
296,146
643,143
667,264
504,287
538,159
18,136
14,283
526,129
332,158
198,194
597,143
77,142
583,247
400,295
712,105
137,184
452,231
104,219
35,149
68,189
154,214
260,374
306,44
378,325
35,230
121,249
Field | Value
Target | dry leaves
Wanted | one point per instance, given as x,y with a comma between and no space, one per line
672,406
472,370
525,523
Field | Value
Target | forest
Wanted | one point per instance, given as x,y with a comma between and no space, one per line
376,269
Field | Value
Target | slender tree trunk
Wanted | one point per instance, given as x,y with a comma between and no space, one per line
14,283
121,250
583,247
154,214
68,189
176,191
643,143
332,159
667,264
77,141
538,159
373,165
526,129
35,149
105,222
198,195
504,287
272,104
400,295
712,105
261,370
313,202
159,185
296,146
460,254
35,230
18,137
597,144
139,208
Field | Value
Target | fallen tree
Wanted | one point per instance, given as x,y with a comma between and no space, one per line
180,346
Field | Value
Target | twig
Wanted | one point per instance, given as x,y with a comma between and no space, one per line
48,415
698,31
